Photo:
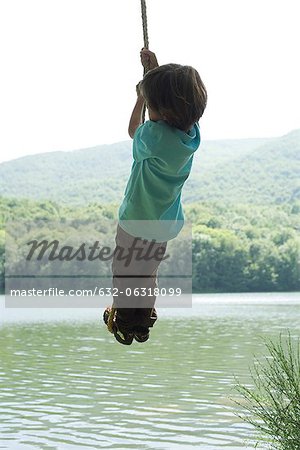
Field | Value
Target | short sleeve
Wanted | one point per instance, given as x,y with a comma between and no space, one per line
145,141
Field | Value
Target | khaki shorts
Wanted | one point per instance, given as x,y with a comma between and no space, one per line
134,268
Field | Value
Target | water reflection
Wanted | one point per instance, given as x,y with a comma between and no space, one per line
69,386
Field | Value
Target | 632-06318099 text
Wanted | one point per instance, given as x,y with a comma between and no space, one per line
97,291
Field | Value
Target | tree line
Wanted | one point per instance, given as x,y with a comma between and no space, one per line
235,247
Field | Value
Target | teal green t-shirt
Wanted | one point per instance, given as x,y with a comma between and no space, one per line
163,157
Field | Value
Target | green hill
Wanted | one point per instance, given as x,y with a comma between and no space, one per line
262,171
269,173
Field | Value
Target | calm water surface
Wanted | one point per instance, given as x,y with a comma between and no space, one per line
66,384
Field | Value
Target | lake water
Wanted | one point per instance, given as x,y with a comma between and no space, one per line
66,384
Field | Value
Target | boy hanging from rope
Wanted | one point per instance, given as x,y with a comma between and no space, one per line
163,149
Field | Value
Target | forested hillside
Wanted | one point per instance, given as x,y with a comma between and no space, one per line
260,171
238,249
269,173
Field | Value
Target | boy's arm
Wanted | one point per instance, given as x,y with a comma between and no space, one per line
149,62
136,118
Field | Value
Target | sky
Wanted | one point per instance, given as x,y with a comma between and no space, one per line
69,67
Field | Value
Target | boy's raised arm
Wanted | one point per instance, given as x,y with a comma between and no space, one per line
136,118
149,62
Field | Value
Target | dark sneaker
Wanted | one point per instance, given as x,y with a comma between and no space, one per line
139,337
125,338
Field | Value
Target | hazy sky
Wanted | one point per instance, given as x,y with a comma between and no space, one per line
69,67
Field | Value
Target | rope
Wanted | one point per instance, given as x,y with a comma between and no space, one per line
110,321
145,23
146,41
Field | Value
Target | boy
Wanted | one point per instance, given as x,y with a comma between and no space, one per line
151,211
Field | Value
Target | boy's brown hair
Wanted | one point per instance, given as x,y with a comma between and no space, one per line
177,93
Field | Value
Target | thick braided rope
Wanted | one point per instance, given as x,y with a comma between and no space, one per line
112,311
145,23
146,40
110,322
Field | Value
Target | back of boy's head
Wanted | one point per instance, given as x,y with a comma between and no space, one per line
177,93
